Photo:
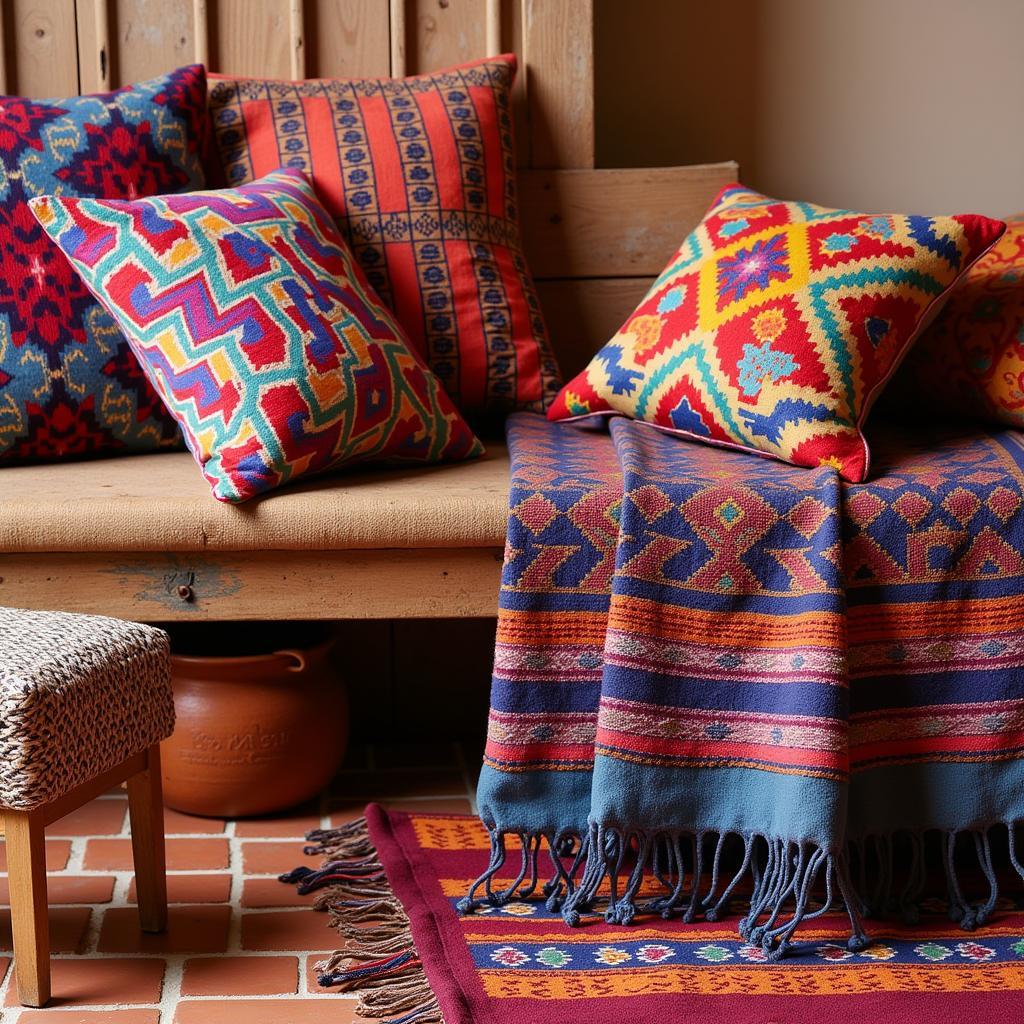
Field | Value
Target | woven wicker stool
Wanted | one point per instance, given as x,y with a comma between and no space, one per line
84,703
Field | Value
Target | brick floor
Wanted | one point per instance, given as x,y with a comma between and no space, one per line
241,946
241,976
194,888
57,853
182,854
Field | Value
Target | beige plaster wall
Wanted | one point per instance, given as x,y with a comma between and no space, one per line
914,105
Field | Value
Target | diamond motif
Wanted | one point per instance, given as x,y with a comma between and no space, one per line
962,505
729,513
912,507
536,513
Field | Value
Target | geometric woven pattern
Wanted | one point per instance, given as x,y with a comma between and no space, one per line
420,175
707,644
775,325
972,358
79,694
69,385
262,336
517,964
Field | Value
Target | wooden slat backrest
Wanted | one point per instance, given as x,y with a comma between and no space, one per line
594,238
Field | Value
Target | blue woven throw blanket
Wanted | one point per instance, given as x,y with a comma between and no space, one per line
729,672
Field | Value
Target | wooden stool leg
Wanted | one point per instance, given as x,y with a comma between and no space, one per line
146,811
26,870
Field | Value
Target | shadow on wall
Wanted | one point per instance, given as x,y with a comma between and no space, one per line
675,82
873,105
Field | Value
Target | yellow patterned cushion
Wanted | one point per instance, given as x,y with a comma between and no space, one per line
775,325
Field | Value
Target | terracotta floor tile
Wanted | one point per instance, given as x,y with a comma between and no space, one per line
57,853
201,929
380,783
272,858
52,1016
182,854
269,892
286,929
96,818
178,823
295,824
342,813
67,929
193,889
82,981
335,1010
240,976
63,888
266,983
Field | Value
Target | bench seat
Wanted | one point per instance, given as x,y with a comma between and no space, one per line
141,536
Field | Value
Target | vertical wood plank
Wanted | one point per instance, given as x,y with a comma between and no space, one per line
443,34
514,18
559,52
398,38
492,28
139,39
42,50
102,72
200,33
4,40
297,38
348,39
26,869
251,38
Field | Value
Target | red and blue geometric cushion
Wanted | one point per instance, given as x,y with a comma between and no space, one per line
69,385
259,331
420,175
971,360
775,325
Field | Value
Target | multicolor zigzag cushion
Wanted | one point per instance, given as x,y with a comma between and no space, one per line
420,174
775,325
259,331
69,385
971,360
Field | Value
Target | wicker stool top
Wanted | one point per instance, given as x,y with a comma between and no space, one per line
79,694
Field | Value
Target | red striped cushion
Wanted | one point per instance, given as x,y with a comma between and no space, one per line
420,173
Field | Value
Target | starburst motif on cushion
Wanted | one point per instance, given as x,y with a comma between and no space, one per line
120,158
38,287
765,261
21,126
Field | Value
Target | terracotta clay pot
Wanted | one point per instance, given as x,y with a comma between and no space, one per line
256,733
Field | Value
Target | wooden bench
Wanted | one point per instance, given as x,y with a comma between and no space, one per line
141,537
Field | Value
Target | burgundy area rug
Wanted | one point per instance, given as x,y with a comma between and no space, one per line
390,885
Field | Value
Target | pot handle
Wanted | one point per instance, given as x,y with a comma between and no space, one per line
297,656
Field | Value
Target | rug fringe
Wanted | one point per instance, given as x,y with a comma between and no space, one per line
378,962
785,876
